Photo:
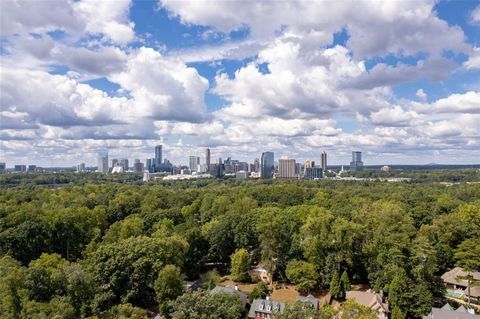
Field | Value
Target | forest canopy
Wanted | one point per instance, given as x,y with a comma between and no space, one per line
113,249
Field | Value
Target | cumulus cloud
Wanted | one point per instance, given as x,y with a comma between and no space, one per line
468,102
163,88
399,27
473,61
475,15
158,89
77,18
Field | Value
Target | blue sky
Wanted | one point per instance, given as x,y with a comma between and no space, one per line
399,82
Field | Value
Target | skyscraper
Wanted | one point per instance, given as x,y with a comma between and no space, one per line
207,157
3,168
193,161
137,166
323,161
102,163
287,168
256,165
80,167
124,163
149,165
356,164
268,164
308,164
158,155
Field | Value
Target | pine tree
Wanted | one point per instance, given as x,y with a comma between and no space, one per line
344,285
335,285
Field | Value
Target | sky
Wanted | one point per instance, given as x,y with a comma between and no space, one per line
397,80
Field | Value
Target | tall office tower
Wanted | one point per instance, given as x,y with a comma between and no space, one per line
207,157
102,163
149,165
80,167
114,162
308,164
3,167
287,168
32,168
356,164
323,159
268,164
124,164
219,160
256,165
193,162
137,166
158,156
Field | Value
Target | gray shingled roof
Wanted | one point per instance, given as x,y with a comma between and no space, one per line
445,313
266,307
232,289
311,299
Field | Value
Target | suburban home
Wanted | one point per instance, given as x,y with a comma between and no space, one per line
457,287
447,312
260,273
232,290
310,300
372,300
265,308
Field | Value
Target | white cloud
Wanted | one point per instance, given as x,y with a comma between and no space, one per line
421,95
468,102
76,18
475,15
473,61
399,27
163,88
107,17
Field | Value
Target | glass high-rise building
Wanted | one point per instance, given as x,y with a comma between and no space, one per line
356,163
158,155
268,164
323,161
193,162
102,163
207,157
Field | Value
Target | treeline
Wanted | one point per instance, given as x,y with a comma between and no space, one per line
116,251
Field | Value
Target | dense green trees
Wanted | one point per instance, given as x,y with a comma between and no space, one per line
168,286
240,265
205,305
113,250
303,274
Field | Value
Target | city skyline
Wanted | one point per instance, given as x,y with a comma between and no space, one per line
400,82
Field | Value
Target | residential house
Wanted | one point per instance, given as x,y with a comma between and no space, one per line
260,273
311,300
458,288
447,312
372,300
232,290
265,308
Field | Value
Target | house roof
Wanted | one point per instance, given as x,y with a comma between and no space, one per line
370,299
265,307
311,299
444,313
231,289
450,277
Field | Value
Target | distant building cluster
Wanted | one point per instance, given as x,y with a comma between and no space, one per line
264,167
